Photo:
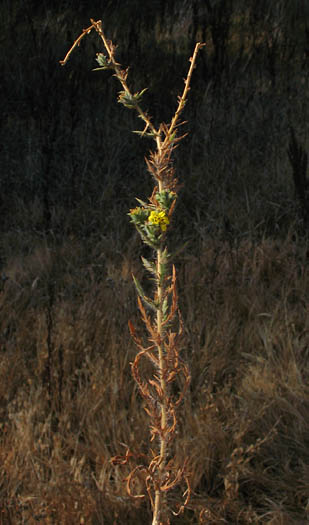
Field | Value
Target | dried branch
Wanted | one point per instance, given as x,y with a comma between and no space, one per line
153,220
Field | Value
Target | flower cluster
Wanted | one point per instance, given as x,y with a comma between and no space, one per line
152,220
160,218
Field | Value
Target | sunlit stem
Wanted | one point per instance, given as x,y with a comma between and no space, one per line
120,74
160,347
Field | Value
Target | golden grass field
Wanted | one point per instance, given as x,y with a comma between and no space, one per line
69,403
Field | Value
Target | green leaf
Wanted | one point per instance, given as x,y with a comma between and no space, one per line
150,266
151,232
139,215
143,296
142,202
140,94
165,198
103,62
145,239
165,308
128,100
165,256
144,133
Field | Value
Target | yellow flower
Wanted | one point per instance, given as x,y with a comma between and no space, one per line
159,218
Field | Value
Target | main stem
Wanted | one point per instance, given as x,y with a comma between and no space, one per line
158,504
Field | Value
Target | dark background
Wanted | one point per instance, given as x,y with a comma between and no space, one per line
69,162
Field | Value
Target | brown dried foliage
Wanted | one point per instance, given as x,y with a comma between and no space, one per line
246,341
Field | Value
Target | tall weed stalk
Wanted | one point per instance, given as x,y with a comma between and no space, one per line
164,388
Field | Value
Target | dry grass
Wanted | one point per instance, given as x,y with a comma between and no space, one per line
244,424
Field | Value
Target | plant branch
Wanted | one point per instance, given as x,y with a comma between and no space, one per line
152,220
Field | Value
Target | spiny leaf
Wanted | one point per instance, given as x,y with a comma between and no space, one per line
165,198
150,266
144,133
145,239
128,100
163,270
103,62
165,308
143,296
142,202
165,256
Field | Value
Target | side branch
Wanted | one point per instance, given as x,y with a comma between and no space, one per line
183,98
76,43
